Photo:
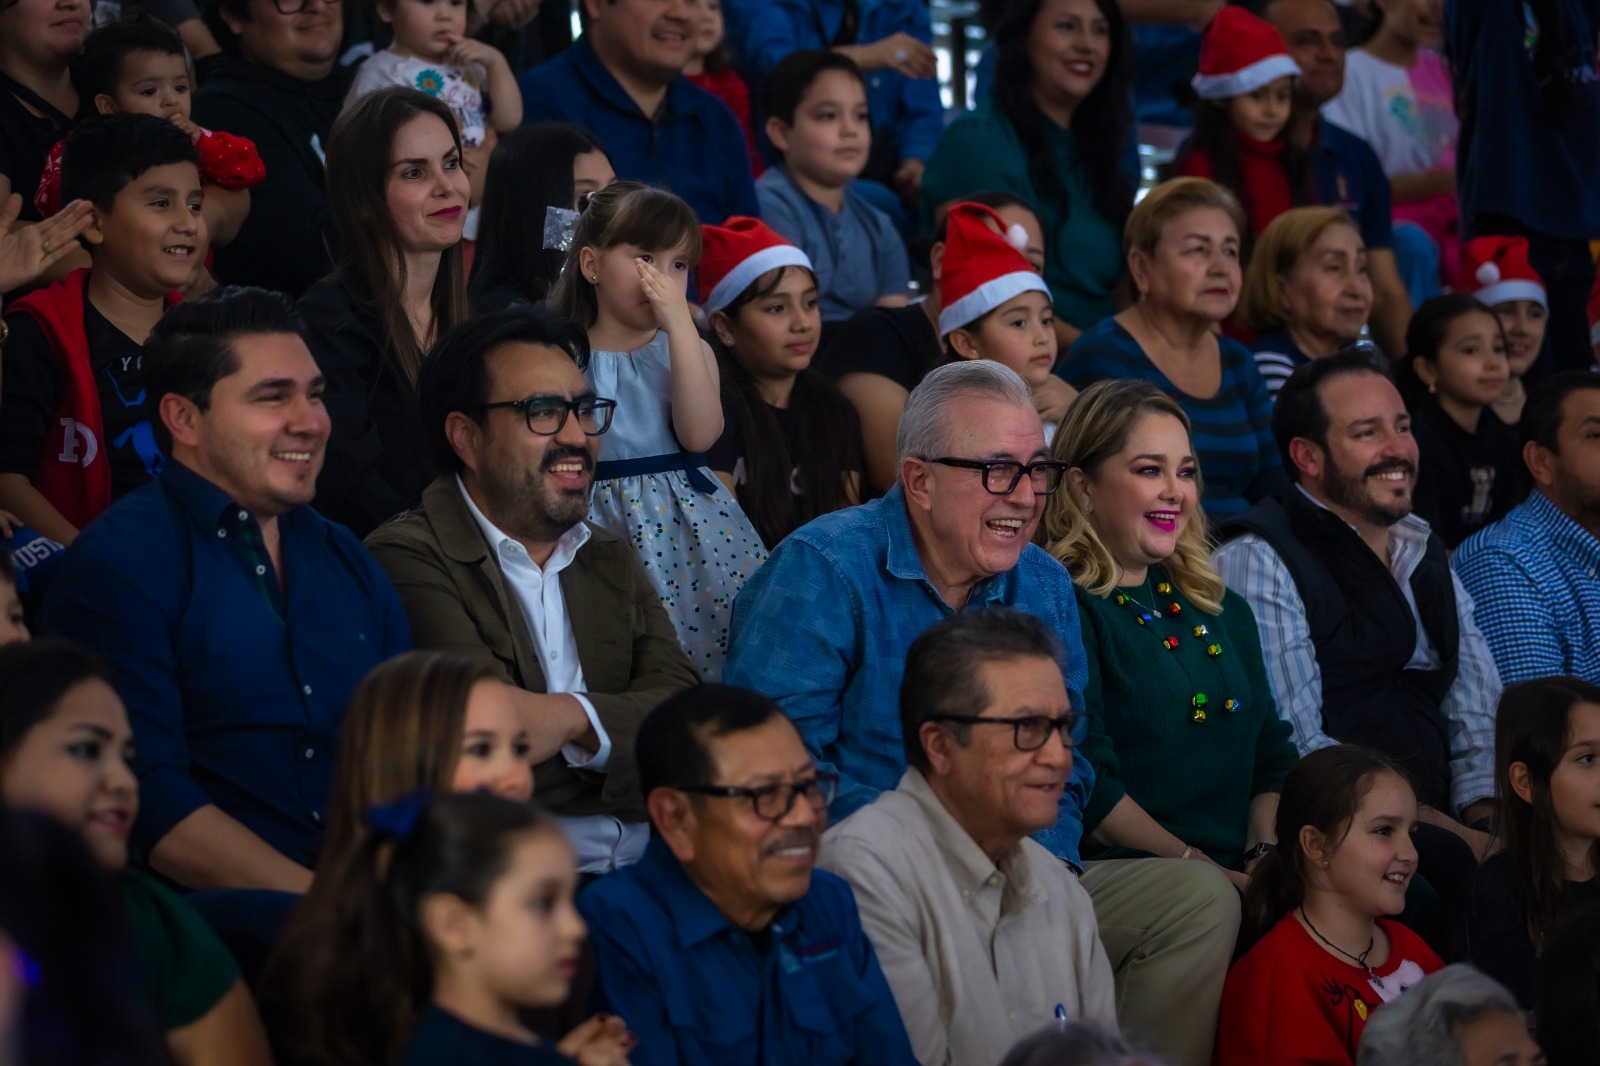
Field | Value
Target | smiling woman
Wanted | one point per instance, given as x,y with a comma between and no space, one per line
399,197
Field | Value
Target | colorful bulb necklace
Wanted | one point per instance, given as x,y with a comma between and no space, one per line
1147,615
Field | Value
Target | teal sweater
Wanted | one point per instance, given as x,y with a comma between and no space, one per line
1195,778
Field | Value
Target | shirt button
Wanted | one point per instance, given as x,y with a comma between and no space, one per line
244,516
306,690
316,816
261,570
311,753
222,532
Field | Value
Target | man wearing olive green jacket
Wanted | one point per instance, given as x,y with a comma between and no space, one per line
498,564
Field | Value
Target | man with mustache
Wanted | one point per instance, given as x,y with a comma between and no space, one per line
985,937
1368,637
498,564
724,946
237,619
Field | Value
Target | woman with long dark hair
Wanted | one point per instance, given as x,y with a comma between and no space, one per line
533,169
399,199
1054,133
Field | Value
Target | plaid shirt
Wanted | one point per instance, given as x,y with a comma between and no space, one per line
1532,576
824,626
1253,569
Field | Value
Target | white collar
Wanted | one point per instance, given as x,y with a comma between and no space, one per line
567,544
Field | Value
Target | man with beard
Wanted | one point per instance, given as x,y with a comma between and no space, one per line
237,619
1368,637
498,564
724,945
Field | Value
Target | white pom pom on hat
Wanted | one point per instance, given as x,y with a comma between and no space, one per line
1017,237
1487,274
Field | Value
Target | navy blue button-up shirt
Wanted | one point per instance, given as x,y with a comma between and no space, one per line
700,992
235,684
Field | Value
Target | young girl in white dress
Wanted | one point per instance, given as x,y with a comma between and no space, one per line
625,281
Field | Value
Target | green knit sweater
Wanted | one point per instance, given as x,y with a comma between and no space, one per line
1195,778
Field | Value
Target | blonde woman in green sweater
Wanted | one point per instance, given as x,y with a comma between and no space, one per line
1187,746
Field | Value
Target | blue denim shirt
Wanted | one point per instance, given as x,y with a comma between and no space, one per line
235,684
692,146
700,992
824,625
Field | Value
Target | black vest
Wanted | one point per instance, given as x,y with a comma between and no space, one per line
1364,634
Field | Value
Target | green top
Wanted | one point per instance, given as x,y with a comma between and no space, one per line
1083,252
185,966
1195,778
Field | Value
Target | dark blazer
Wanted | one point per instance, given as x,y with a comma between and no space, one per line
457,600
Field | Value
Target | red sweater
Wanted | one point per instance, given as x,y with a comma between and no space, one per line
731,90
1266,183
1288,1002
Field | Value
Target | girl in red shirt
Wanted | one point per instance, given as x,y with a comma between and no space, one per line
1329,957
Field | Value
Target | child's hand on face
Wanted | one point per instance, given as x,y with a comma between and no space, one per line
465,51
1053,398
181,121
668,299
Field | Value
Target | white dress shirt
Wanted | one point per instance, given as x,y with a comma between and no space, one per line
602,842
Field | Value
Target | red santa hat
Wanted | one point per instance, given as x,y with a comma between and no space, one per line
983,266
735,254
1240,53
1496,269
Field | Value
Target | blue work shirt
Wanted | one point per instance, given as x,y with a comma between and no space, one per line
235,684
1346,174
857,254
907,109
692,146
824,625
700,992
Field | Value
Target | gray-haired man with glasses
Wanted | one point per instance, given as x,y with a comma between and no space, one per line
277,82
983,935
499,564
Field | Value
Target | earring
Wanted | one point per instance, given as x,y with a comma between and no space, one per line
594,279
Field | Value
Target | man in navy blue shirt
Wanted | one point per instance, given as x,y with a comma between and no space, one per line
623,81
1345,170
724,946
238,620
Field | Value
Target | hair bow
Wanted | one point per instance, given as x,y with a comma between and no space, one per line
397,820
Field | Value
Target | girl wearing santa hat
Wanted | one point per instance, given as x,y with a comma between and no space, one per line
1469,466
791,444
1495,269
995,305
1245,84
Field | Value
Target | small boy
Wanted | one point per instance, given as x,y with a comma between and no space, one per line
817,120
74,415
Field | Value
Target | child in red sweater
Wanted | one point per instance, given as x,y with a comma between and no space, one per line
1245,85
710,69
1328,958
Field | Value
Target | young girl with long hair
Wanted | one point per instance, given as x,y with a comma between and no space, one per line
1497,272
1469,468
399,199
791,449
450,918
1326,955
1246,88
625,282
1547,788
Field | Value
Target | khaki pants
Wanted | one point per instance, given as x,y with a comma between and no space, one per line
1169,927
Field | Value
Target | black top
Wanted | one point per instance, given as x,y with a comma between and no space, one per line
1365,634
1492,930
440,1037
897,342
1465,480
284,243
25,141
378,459
33,379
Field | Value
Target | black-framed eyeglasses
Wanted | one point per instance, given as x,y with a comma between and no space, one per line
1002,476
1028,733
294,7
774,802
546,415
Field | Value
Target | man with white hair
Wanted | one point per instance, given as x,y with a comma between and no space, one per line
824,626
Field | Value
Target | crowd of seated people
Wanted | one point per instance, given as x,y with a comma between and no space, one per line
668,547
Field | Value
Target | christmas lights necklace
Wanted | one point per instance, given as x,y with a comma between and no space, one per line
1148,615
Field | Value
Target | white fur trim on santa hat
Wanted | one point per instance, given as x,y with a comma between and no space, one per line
1245,80
1512,289
987,297
739,278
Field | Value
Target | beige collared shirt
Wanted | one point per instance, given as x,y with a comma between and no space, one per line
979,954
